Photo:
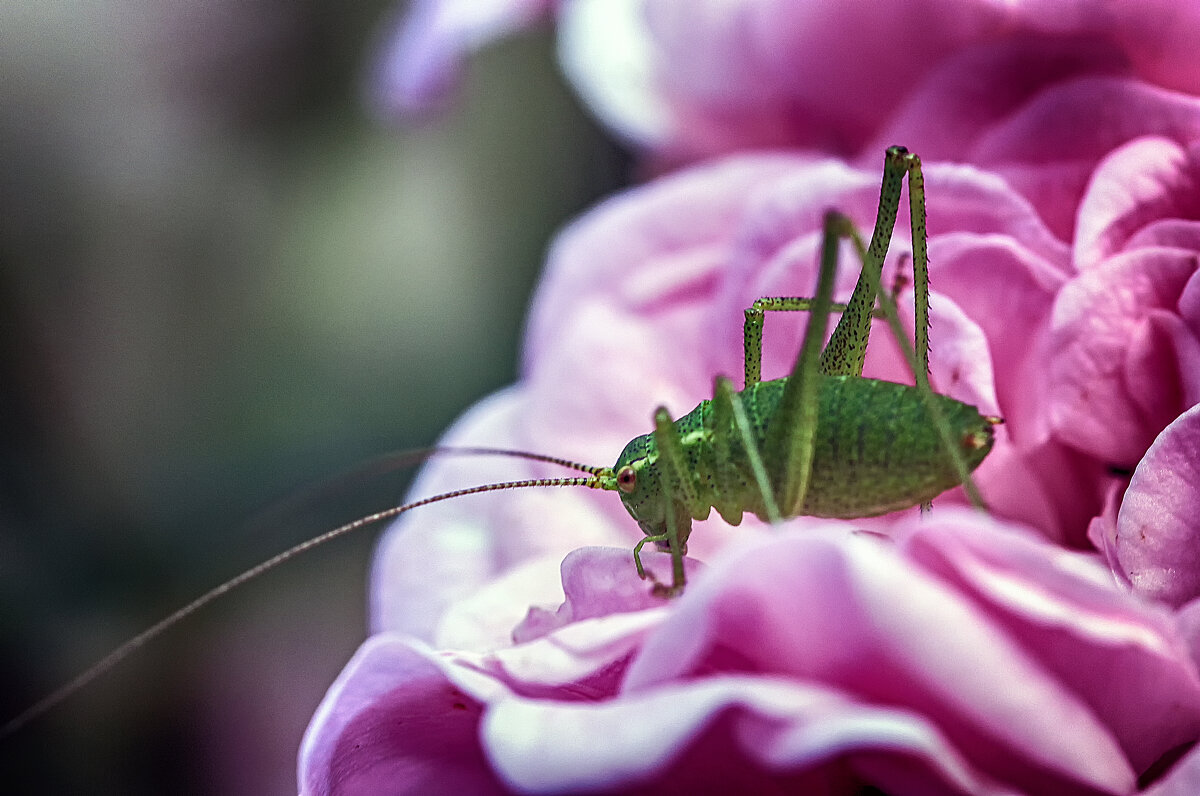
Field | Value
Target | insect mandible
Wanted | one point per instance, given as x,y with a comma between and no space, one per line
822,441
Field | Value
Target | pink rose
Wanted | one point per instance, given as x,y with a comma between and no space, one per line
642,304
961,656
1088,351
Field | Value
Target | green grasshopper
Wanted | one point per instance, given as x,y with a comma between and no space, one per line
823,441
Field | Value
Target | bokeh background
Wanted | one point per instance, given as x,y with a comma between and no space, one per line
222,278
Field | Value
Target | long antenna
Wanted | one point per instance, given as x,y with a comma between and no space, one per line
408,458
323,490
596,480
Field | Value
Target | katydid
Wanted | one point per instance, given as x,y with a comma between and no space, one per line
822,441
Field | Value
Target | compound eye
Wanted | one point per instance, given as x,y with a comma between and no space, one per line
626,479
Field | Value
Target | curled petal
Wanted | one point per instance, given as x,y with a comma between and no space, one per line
1144,181
393,723
422,57
1157,529
1102,532
605,50
960,656
454,550
1062,608
401,715
933,651
599,581
1115,372
744,74
771,734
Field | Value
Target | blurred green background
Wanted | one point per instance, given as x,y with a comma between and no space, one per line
221,279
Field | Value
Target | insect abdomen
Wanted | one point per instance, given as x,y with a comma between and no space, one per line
875,450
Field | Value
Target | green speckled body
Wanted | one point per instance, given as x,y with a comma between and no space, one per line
822,441
872,452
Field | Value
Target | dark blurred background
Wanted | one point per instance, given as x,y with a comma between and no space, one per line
222,279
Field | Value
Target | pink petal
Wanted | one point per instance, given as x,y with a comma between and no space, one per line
1188,617
649,260
1157,36
770,734
1063,609
599,581
1102,532
422,57
947,112
451,550
401,715
1104,322
963,654
873,624
1008,291
746,74
483,621
1049,151
1158,535
605,51
392,723
1142,182
739,75
1182,780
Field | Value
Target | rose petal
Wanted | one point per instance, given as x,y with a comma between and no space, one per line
1051,149
945,113
422,56
1101,322
423,567
1062,608
770,733
1102,532
605,50
1145,180
483,621
392,723
874,625
599,581
1158,536
1182,780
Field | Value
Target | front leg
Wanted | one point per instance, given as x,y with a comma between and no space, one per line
681,501
637,554
664,541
